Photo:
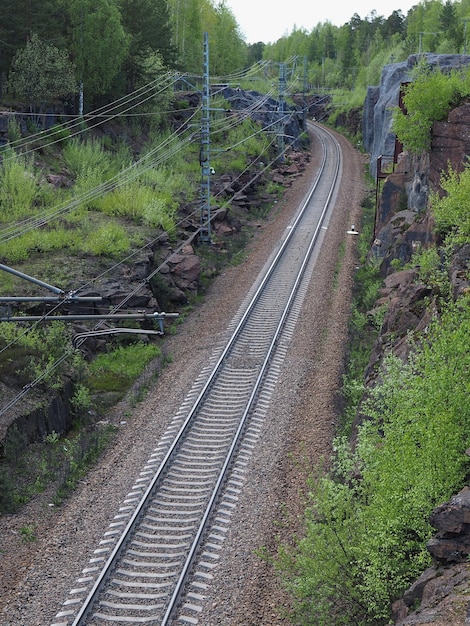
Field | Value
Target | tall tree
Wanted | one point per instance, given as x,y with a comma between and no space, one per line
98,45
450,25
346,56
41,73
188,32
19,20
147,22
229,51
395,23
329,42
255,52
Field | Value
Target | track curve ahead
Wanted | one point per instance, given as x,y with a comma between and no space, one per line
161,550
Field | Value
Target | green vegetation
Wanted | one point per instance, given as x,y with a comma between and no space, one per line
30,76
28,352
362,330
28,533
56,464
19,187
428,98
117,369
366,520
452,210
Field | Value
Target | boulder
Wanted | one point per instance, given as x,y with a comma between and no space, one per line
432,593
435,596
185,268
452,521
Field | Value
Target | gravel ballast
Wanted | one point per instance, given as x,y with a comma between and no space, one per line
36,577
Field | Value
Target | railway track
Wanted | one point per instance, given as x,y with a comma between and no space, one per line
160,552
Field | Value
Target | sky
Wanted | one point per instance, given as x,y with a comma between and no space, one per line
269,20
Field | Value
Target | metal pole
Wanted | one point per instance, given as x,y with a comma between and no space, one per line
205,232
281,110
76,318
36,281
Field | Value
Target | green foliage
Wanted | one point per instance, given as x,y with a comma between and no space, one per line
433,269
108,239
14,130
28,533
99,43
365,538
38,241
40,73
26,470
81,157
30,350
151,200
142,203
81,399
147,23
18,186
319,569
452,210
427,99
116,370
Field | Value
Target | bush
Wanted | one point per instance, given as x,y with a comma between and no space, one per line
106,240
85,156
18,186
117,369
427,99
452,211
365,538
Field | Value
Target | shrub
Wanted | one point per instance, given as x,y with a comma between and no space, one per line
452,211
427,98
18,186
365,538
83,156
117,369
106,240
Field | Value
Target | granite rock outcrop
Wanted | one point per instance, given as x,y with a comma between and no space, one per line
405,307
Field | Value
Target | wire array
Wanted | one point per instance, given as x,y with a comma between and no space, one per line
157,156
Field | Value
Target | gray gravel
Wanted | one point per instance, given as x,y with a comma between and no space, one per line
35,578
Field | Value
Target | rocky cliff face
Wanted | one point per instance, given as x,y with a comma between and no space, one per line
377,118
404,223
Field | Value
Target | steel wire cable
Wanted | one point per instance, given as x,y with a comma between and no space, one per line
150,160
103,113
131,173
71,350
67,354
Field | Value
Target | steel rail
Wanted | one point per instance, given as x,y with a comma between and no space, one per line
180,584
158,476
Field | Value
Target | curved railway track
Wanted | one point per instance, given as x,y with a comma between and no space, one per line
160,553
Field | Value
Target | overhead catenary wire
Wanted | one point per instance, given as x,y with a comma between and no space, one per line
112,110
103,114
68,353
148,161
125,176
117,181
257,131
239,115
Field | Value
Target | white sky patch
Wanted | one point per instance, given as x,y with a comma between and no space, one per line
268,21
